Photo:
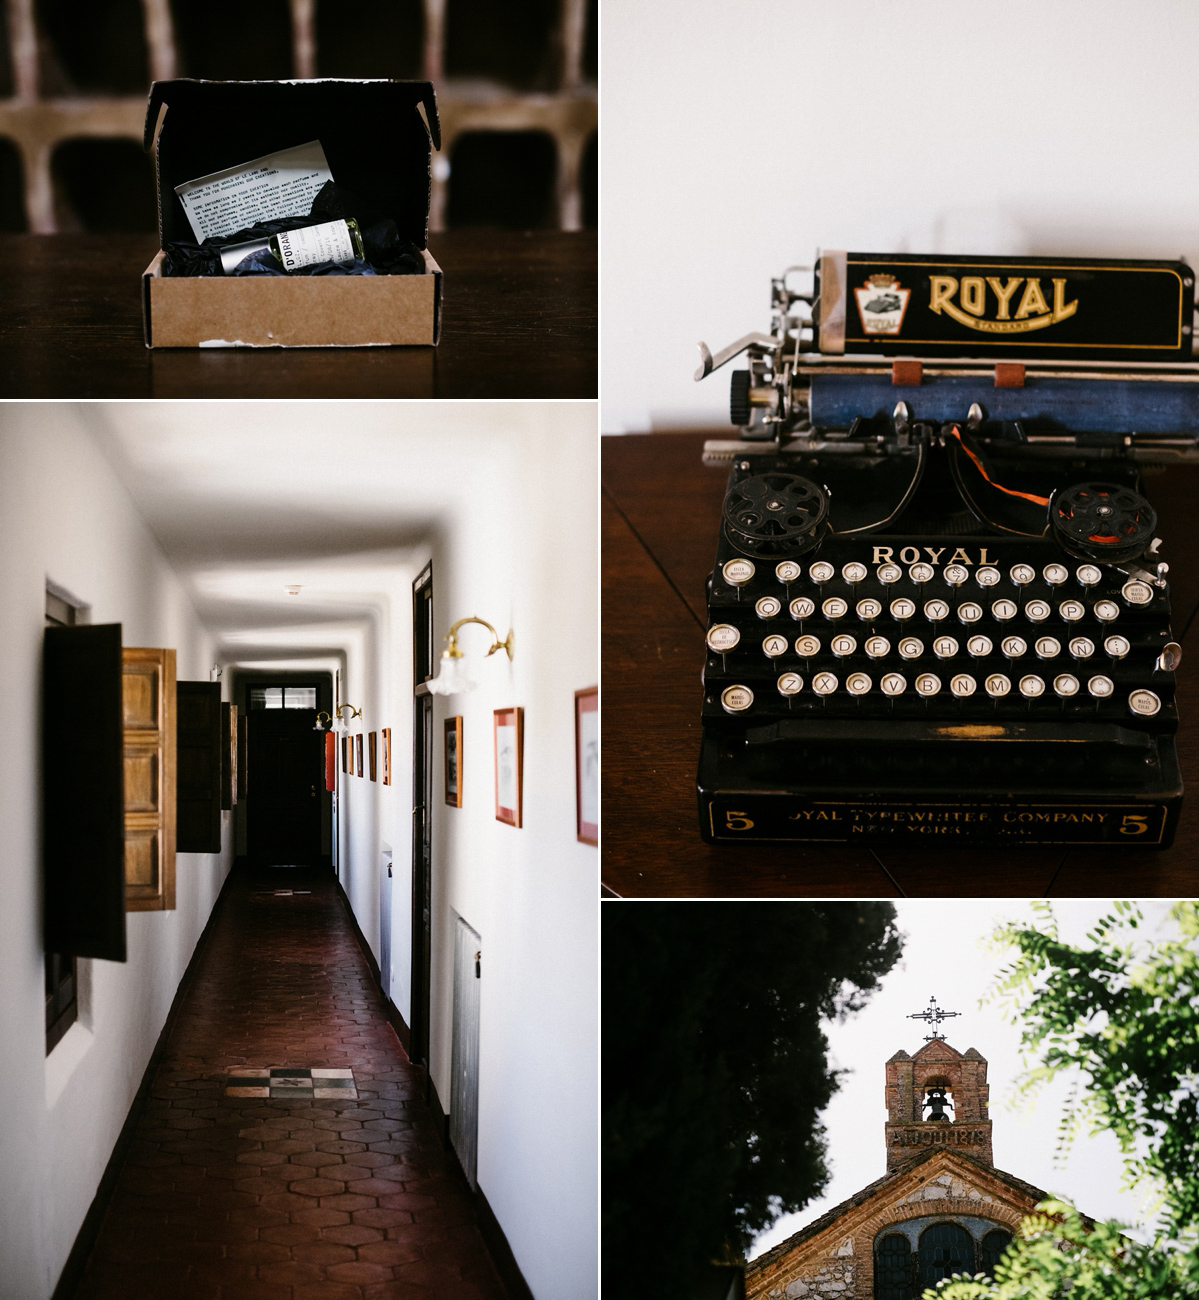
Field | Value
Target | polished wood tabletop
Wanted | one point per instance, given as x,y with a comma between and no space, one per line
519,320
661,515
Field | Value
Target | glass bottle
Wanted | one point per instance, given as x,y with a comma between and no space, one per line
331,241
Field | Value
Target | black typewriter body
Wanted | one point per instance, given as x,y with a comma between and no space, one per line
946,630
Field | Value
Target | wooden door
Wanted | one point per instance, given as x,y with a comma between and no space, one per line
148,698
283,818
199,786
464,1060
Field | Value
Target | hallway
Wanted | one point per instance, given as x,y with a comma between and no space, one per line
233,1198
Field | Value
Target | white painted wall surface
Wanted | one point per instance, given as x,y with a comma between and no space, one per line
738,138
64,516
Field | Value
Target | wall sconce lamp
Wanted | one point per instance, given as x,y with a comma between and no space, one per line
342,724
451,676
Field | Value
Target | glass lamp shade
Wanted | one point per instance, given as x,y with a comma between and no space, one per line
451,678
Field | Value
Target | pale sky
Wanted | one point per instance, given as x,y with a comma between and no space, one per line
948,953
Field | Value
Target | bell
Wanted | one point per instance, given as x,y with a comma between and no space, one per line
937,1101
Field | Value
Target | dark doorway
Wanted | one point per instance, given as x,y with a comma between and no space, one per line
422,795
945,1249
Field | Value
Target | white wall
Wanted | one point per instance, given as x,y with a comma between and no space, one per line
738,138
65,517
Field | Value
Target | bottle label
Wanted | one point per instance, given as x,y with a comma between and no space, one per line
329,242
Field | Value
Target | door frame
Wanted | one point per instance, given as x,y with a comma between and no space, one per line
422,801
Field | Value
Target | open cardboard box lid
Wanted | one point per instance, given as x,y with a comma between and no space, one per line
378,137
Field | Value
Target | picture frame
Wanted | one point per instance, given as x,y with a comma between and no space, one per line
386,735
587,765
509,766
345,753
358,751
372,755
453,762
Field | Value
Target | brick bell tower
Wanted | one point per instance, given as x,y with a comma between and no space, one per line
937,1098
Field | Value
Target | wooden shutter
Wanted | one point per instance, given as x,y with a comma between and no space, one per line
243,750
199,750
83,799
149,721
228,755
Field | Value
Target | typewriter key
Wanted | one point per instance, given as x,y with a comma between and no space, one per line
738,572
768,607
787,571
1065,686
1170,657
790,684
821,571
902,609
1037,611
807,646
877,646
945,647
987,576
921,573
1117,646
854,572
1023,574
1082,647
893,684
775,645
1071,611
858,684
955,574
824,683
979,646
1004,610
997,686
869,609
936,610
889,573
1014,646
911,648
803,607
969,612
1056,574
1048,647
928,684
1107,611
1137,593
835,607
1144,703
1101,687
736,699
1032,686
963,686
843,645
723,637
1088,574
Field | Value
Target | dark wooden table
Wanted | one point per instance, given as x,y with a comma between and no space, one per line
519,321
661,514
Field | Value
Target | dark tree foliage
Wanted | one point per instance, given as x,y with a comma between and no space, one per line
715,1072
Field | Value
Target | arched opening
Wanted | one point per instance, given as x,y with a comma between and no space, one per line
893,1268
12,189
503,179
93,49
937,1103
991,1250
945,1249
103,185
382,38
221,41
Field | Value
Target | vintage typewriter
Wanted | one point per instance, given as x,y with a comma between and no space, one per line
938,612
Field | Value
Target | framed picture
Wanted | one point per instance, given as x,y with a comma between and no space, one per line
509,765
345,753
358,751
372,755
453,762
587,764
386,734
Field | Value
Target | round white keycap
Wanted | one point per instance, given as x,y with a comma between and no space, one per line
987,576
1037,611
936,610
902,608
1137,593
790,684
854,572
1056,574
877,647
969,612
738,572
1082,647
787,571
1031,686
723,637
824,683
1107,611
869,609
821,571
979,646
1014,646
843,645
889,573
1004,610
1144,703
1101,687
955,574
911,648
997,686
1088,574
927,684
1117,646
858,684
768,607
1071,611
945,647
1048,647
1023,574
807,646
835,607
736,699
775,645
1065,686
963,686
893,684
921,572
803,607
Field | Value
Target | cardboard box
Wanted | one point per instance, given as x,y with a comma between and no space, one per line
378,137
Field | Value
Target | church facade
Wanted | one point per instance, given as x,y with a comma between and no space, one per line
941,1208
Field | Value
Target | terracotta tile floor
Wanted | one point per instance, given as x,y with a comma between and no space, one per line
232,1198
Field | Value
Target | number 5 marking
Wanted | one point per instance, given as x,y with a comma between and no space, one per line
1134,824
736,821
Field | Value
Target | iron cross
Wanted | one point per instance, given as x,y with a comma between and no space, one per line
933,1015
